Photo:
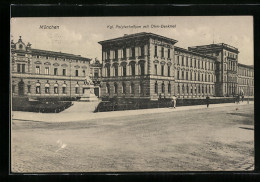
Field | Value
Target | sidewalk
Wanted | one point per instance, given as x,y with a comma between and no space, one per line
69,117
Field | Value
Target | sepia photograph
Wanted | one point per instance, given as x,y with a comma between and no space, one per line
132,94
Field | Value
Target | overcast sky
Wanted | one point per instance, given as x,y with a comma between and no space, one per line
80,35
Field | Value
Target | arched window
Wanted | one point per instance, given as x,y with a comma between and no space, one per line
107,88
123,88
77,89
187,89
108,71
47,88
132,88
116,69
198,76
163,87
169,87
116,88
183,90
64,89
38,88
169,70
156,87
203,89
206,89
191,75
162,70
56,88
142,68
132,64
178,89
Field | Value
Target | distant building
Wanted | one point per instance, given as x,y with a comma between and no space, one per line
245,79
41,74
147,65
95,75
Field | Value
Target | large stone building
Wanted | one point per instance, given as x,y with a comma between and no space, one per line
38,73
147,65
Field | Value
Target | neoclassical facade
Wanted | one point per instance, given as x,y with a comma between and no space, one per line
147,65
39,73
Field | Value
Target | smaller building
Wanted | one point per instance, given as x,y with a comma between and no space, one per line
95,75
245,77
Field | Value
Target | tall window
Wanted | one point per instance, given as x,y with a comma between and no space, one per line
123,88
190,75
182,75
169,71
116,54
163,87
46,71
169,53
178,60
133,52
64,89
187,61
29,88
142,68
178,89
55,71
116,88
132,90
155,69
124,70
108,71
199,89
187,89
19,68
195,63
77,89
162,52
38,89
202,77
23,68
205,77
56,88
47,88
195,76
133,69
182,60
124,53
155,50
37,69
198,76
178,75
156,87
199,64
187,75
162,70
169,87
141,88
142,51
209,78
64,72
76,72
107,88
84,72
190,62
116,70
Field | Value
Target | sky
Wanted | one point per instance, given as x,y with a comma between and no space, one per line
80,35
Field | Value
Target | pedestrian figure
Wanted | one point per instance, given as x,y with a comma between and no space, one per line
207,101
174,98
238,99
242,97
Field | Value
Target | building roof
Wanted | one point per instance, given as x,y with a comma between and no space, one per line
138,35
247,66
192,52
204,48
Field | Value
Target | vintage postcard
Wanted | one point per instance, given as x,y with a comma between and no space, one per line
132,94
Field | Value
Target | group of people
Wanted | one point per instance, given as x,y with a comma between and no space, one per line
237,98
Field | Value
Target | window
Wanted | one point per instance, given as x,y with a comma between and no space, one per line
195,63
209,78
199,64
108,71
77,90
132,88
47,57
190,75
155,69
163,87
169,53
205,77
162,52
178,60
64,89
203,89
124,53
133,52
195,78
169,87
182,75
187,89
169,70
56,89
187,61
187,75
133,69
116,70
37,69
162,70
124,70
18,68
116,54
46,71
182,60
202,77
47,89
142,51
23,68
84,73
116,88
156,87
123,88
198,76
199,89
29,88
155,50
190,62
108,54
178,89
64,72
55,71
178,75
38,89
76,72
107,88
141,88
142,68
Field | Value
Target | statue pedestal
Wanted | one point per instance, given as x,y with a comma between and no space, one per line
88,94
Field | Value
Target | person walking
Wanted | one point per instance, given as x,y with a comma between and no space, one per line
174,98
207,101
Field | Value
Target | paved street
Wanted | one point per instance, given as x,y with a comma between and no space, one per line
203,139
